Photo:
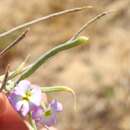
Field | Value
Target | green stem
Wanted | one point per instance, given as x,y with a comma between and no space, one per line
69,44
32,122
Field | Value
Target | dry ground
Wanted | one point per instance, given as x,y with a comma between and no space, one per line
99,73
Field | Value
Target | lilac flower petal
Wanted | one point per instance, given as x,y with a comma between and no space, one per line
22,87
47,117
25,97
56,106
36,95
49,121
39,115
13,98
23,107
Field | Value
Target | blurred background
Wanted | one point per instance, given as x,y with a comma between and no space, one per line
98,73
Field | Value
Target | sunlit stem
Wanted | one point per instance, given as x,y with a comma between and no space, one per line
30,69
32,122
44,57
35,21
29,125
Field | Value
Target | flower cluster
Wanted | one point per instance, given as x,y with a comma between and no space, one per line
48,115
27,98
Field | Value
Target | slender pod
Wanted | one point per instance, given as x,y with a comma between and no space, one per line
43,58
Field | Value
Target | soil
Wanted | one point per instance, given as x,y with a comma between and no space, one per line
99,72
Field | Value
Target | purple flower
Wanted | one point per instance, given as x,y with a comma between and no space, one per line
47,117
25,97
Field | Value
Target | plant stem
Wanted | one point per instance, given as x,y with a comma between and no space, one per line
32,122
28,24
44,57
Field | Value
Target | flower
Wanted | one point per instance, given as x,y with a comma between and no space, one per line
9,118
25,97
47,116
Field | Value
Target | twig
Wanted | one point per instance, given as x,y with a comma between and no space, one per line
5,79
92,20
42,19
16,41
